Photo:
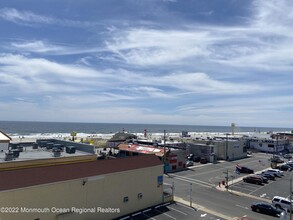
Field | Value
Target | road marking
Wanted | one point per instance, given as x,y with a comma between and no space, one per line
185,206
203,215
165,214
177,210
199,182
135,214
242,206
263,195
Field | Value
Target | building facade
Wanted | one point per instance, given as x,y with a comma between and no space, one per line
103,189
217,149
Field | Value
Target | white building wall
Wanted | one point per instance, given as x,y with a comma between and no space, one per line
3,146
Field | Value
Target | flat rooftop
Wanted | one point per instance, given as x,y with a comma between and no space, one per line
41,153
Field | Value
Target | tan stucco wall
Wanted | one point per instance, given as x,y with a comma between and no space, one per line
105,191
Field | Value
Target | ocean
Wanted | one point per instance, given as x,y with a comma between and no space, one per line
58,129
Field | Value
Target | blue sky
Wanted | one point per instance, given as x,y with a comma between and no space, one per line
193,62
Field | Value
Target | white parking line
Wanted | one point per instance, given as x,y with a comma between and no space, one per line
185,206
242,206
147,210
177,210
166,214
135,214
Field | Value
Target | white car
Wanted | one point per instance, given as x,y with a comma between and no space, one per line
189,163
282,203
277,173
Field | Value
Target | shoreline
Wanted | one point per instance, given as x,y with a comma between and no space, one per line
66,136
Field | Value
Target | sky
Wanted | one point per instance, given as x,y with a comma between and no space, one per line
185,62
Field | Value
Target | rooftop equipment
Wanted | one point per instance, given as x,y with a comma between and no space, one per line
35,146
49,145
56,152
15,153
70,149
8,156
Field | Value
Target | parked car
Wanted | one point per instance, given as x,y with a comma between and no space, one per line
266,208
189,163
269,176
241,169
277,173
255,179
277,159
196,159
282,203
287,156
284,167
290,163
203,160
264,179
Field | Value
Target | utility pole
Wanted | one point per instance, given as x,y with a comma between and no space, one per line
226,146
291,196
227,179
190,194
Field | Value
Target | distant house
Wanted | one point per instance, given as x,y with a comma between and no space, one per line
4,141
119,138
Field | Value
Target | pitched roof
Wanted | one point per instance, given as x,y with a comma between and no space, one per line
13,179
121,136
4,137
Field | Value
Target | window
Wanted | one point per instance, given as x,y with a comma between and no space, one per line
139,195
125,199
285,202
271,145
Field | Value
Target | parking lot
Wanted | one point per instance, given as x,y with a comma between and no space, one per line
201,182
170,211
278,187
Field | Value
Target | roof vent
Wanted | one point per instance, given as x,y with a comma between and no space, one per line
8,156
56,152
70,149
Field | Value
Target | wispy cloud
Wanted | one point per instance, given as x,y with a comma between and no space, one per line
46,48
30,19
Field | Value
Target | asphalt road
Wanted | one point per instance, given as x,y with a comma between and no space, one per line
201,183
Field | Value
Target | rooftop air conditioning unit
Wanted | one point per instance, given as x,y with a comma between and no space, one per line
8,156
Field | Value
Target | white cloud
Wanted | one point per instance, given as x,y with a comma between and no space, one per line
43,47
29,18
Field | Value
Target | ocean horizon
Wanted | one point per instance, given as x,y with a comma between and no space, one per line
55,129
